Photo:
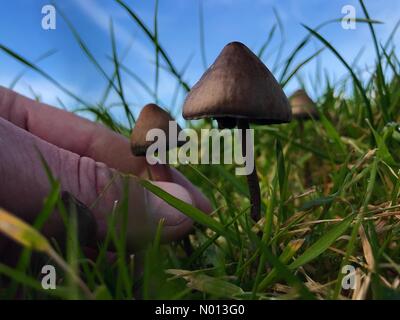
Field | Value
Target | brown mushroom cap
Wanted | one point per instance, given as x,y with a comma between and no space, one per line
151,117
238,86
303,108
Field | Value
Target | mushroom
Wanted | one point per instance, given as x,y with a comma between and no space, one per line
238,89
152,117
303,109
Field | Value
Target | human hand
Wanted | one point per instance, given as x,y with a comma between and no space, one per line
88,159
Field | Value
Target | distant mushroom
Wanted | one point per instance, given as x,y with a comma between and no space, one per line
238,89
151,117
303,109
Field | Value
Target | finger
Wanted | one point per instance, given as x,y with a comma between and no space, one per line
176,225
200,201
70,132
24,185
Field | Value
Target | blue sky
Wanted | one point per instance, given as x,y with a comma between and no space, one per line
225,21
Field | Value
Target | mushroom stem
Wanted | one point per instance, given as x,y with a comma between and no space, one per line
252,178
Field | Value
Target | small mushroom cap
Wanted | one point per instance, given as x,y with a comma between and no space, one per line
238,85
151,117
303,108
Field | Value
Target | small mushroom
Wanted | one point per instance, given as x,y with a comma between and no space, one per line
151,117
238,89
303,108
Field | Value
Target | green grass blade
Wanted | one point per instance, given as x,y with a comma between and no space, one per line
202,36
150,35
354,76
299,66
333,134
306,39
157,51
285,272
21,232
192,212
120,89
267,42
382,89
42,57
322,244
29,282
32,66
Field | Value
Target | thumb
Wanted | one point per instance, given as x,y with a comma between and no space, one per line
176,224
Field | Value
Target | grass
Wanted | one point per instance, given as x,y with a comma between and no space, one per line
349,215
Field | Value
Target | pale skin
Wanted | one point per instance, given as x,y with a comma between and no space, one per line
91,162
